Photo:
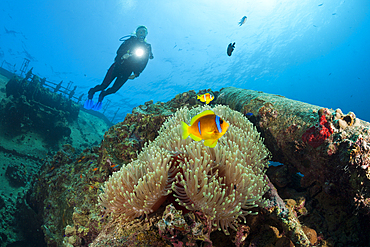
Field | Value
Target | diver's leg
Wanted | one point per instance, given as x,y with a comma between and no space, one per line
121,79
109,77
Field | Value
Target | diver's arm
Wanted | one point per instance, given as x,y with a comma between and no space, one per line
150,51
122,50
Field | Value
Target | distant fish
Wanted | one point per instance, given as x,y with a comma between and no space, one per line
320,4
114,166
207,97
249,114
230,48
242,20
10,31
334,13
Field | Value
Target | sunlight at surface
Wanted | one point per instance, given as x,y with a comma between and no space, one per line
266,5
127,5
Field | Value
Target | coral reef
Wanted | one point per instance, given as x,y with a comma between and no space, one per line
224,183
325,204
181,231
131,135
338,168
316,135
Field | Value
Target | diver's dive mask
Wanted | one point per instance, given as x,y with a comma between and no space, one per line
141,32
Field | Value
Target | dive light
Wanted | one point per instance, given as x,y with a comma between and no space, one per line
139,52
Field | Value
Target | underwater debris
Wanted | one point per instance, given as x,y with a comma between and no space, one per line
17,174
34,107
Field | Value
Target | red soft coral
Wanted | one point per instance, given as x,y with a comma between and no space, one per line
317,134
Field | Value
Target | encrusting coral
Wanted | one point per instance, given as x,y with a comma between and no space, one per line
224,182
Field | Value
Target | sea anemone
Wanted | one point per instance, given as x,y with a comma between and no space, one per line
223,182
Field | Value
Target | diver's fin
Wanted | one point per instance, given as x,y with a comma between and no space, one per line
89,103
97,106
210,143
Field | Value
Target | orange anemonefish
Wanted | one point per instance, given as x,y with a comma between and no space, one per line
207,97
205,126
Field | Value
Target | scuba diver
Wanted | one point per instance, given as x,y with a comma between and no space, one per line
132,57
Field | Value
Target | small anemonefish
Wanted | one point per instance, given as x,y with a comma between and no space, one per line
207,97
205,126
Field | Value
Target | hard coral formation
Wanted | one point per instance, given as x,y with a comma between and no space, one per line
224,182
124,139
181,231
316,135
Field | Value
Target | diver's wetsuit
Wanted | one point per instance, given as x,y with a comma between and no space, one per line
122,68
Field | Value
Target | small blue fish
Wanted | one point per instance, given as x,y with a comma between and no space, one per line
249,114
242,20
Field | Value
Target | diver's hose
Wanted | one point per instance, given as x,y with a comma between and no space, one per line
125,37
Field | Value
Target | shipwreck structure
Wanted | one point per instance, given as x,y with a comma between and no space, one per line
31,106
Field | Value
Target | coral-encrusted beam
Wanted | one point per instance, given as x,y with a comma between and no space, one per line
325,145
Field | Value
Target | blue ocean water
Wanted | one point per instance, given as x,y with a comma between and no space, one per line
314,51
